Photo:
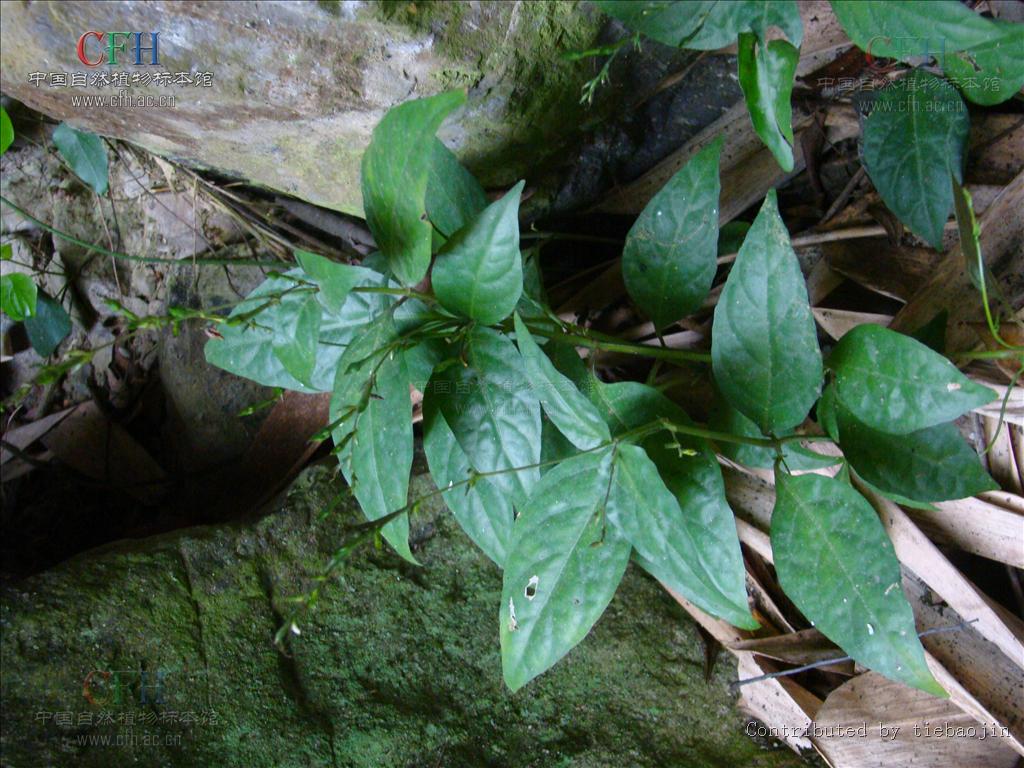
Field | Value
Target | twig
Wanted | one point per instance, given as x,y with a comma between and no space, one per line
840,201
840,659
852,233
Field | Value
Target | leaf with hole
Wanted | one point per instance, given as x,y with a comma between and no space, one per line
673,511
837,565
395,172
566,406
492,411
930,464
483,512
914,139
895,384
86,154
479,271
48,326
766,73
669,261
764,346
562,568
371,401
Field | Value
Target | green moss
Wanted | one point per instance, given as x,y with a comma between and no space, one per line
399,666
512,52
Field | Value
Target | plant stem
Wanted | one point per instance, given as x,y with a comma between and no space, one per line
130,257
993,354
408,292
625,347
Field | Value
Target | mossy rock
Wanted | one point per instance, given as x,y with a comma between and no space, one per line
397,666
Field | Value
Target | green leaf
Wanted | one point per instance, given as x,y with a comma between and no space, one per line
454,196
826,412
296,341
725,418
568,362
684,534
248,349
708,24
766,73
931,464
533,280
764,345
6,131
554,446
479,271
914,138
562,568
371,392
992,72
627,405
493,411
48,327
669,258
85,153
667,22
730,236
895,384
839,568
571,412
968,46
421,359
484,513
334,280
395,170
17,296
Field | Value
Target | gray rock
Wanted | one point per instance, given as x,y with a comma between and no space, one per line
397,666
298,87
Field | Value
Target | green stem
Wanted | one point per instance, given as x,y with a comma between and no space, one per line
992,354
408,292
130,257
727,437
625,347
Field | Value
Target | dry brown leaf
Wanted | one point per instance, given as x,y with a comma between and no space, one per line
977,526
920,555
90,443
950,287
24,436
990,687
837,322
870,703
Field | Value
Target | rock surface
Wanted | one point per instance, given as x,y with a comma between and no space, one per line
297,87
398,666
